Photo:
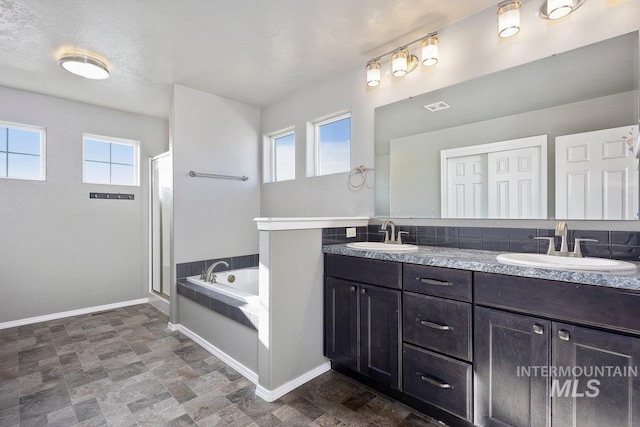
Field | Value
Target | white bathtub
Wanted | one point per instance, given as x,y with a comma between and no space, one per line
241,284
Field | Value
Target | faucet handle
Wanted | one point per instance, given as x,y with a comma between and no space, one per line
400,233
552,244
577,250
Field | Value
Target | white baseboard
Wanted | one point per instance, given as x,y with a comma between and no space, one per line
243,370
54,316
172,327
272,395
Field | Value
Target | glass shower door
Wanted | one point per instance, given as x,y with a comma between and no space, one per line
161,200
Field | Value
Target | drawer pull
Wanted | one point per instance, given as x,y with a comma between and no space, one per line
436,326
433,381
352,288
433,282
564,335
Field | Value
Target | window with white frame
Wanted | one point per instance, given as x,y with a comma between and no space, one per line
110,160
22,152
283,156
333,144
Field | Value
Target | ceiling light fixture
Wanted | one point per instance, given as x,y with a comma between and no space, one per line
556,9
85,66
509,18
402,61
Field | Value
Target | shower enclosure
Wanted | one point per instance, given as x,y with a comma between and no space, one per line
161,198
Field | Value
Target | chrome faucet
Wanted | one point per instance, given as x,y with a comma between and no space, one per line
561,231
393,238
209,276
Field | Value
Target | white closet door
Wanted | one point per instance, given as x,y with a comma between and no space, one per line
596,175
515,184
467,187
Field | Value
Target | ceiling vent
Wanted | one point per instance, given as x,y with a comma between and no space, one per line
437,106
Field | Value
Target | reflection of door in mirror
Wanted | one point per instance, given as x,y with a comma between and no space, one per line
589,161
505,179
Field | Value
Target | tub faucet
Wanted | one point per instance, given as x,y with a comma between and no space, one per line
209,276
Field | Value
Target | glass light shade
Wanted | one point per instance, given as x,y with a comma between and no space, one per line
373,74
399,63
84,66
557,9
509,19
429,51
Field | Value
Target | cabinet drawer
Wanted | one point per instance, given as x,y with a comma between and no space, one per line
363,270
437,281
590,305
438,324
438,380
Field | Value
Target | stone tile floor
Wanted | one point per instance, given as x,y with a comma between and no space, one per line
124,368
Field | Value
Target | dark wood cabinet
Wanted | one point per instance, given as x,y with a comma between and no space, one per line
380,335
498,350
362,329
596,382
505,344
341,322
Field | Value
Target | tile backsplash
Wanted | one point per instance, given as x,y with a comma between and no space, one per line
622,245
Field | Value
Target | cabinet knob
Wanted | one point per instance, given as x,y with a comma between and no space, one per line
564,335
363,291
537,329
352,288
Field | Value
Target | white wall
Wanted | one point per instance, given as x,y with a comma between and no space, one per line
59,250
468,49
213,218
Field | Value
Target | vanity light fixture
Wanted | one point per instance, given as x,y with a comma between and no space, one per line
403,61
84,66
430,50
373,73
556,9
509,18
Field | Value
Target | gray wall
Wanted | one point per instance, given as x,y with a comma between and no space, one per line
470,48
59,250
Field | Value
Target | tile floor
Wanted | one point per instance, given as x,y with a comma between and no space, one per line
124,368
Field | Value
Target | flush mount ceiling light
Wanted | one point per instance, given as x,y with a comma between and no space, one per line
84,66
509,18
403,61
556,9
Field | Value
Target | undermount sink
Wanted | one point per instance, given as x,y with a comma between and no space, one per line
382,247
566,263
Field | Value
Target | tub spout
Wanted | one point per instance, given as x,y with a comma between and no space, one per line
209,276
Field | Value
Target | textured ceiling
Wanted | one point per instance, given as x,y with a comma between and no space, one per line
252,51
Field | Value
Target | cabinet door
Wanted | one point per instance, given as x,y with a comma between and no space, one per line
506,345
602,388
341,322
380,334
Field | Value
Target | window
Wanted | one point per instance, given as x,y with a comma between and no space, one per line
22,152
283,156
333,144
110,161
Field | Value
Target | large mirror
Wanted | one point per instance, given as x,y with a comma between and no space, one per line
556,138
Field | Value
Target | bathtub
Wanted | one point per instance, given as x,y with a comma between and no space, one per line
241,284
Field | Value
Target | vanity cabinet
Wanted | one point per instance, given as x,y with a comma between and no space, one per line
546,368
484,348
363,321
